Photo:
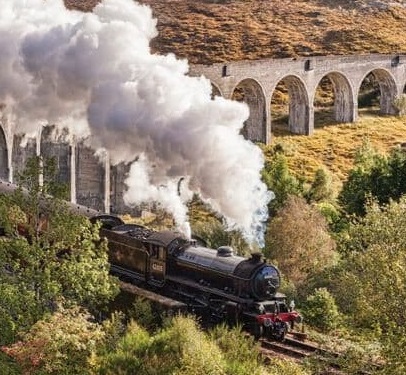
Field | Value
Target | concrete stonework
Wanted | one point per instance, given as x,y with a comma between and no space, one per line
259,78
97,184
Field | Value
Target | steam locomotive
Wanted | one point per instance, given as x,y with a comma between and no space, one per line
214,283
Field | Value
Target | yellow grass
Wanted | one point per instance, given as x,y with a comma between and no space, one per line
334,146
214,31
209,31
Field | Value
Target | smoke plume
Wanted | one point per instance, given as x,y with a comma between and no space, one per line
94,73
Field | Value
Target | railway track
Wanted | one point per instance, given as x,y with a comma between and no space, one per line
299,351
293,348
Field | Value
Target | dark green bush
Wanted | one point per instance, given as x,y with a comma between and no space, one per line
320,310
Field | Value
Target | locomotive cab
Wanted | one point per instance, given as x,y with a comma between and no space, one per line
157,265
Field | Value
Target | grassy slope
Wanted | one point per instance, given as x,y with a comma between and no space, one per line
222,30
214,31
205,31
334,146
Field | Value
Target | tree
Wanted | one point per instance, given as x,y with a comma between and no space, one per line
375,250
298,241
63,261
61,343
375,272
277,177
19,309
321,188
216,235
336,219
374,176
320,310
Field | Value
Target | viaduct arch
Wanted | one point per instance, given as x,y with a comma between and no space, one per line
302,77
251,92
343,109
94,182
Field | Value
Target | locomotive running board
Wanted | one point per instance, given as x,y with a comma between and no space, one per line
217,292
168,303
124,272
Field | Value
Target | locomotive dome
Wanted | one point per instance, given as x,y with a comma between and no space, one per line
225,251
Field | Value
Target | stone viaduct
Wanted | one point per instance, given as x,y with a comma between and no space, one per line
95,183
258,79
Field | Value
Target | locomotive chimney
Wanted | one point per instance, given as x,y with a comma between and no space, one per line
256,257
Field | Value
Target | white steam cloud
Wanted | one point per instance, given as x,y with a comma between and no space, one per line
94,74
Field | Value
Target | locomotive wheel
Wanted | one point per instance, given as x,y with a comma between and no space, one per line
258,331
232,314
281,334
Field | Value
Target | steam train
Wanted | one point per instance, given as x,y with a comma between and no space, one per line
214,283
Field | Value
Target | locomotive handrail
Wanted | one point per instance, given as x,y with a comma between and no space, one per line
219,292
236,277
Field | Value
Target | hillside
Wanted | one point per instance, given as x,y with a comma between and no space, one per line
209,31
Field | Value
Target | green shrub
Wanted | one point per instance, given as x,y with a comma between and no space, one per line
18,312
114,328
331,213
283,367
130,355
8,366
198,354
320,310
216,235
179,349
321,189
240,353
145,314
59,344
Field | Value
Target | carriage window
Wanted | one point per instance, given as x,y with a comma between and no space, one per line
154,251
